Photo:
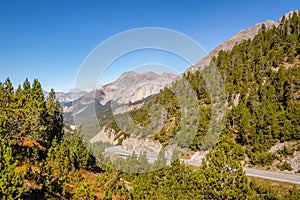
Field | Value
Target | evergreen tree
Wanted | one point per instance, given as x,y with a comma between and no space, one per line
11,181
53,118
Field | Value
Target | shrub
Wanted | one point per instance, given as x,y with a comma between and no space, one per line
284,166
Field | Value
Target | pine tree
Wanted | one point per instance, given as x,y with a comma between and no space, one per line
11,181
53,118
160,162
38,111
224,175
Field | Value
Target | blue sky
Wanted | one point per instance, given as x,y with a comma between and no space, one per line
49,39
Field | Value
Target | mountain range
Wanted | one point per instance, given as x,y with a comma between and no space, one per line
129,87
155,81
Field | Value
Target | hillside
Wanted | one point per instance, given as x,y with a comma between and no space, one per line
262,97
236,39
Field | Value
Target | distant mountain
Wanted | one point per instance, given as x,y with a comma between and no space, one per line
63,97
66,97
131,87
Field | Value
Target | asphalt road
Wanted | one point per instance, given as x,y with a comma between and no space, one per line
271,175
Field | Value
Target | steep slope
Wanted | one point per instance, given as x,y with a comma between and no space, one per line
231,42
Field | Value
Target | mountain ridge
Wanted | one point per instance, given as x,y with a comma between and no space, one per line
245,34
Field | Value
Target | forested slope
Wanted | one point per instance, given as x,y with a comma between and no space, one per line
262,83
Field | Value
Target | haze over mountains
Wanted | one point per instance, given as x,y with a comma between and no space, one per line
66,97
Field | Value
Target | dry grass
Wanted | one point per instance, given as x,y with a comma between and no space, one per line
30,143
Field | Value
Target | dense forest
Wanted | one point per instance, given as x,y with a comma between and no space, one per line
40,159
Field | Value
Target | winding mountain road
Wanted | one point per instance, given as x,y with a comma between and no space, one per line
271,175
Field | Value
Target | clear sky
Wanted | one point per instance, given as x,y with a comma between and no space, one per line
49,39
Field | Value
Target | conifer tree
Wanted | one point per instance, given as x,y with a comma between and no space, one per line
11,181
53,118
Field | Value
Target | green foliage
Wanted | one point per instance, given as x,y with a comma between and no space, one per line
84,191
136,163
220,177
63,159
224,176
11,181
293,194
284,166
27,115
286,151
262,193
261,158
160,162
257,77
34,127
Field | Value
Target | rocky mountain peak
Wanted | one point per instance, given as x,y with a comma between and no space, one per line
129,87
135,86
